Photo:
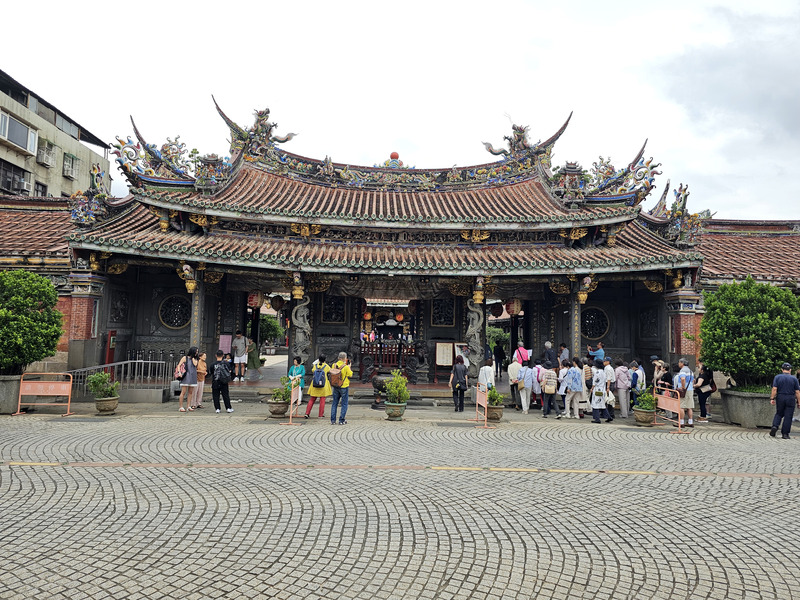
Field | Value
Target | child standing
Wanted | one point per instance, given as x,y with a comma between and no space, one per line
220,377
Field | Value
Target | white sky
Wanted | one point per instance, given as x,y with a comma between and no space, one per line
715,88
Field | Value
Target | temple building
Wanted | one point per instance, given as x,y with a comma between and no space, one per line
410,257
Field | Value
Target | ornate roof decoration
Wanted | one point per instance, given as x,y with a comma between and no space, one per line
257,140
676,224
394,162
89,207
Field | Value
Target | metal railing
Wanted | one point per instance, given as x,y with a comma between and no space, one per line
131,374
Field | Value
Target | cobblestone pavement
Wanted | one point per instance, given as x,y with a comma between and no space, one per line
155,504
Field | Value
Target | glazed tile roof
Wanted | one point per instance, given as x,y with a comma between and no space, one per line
256,195
136,231
34,230
767,250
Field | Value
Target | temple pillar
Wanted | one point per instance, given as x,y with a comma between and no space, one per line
198,306
683,317
574,325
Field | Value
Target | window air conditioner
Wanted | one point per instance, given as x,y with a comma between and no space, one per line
71,172
46,158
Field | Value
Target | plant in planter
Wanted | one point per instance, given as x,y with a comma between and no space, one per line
30,327
645,408
397,396
105,392
281,398
494,408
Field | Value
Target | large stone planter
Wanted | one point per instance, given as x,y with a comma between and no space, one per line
494,413
746,408
278,410
106,406
9,394
643,418
394,410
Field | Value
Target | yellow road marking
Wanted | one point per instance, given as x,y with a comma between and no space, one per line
514,469
571,471
457,468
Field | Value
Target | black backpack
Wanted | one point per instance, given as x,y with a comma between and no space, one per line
221,372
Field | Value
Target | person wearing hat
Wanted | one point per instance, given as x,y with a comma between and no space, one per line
549,390
785,396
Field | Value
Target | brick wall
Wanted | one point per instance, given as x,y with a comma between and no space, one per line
80,326
64,305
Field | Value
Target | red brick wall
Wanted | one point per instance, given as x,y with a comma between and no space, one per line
81,320
690,325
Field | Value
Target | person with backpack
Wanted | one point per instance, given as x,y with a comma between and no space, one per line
320,386
220,378
459,382
339,377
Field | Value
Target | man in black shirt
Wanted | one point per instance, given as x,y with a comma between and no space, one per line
785,395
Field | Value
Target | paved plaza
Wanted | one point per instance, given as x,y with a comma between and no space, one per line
152,503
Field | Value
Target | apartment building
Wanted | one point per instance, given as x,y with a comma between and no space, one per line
43,152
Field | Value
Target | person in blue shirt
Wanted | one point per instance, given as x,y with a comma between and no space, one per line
784,396
598,354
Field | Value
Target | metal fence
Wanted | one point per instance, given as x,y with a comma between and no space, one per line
131,374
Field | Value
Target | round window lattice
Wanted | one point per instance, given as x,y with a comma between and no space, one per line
594,323
175,312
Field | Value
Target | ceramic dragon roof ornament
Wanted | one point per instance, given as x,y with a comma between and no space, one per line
257,140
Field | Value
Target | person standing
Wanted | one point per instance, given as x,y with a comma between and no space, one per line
521,354
499,357
220,376
549,355
298,371
239,351
598,354
573,386
549,390
611,385
320,386
459,381
253,362
599,389
486,374
189,381
704,386
527,376
202,371
562,373
622,392
513,383
339,376
785,396
638,380
684,383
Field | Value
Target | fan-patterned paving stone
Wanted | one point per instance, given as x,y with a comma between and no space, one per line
154,505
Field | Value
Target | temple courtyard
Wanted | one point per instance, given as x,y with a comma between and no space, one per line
151,503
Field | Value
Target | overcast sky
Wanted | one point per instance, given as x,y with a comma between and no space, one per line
713,86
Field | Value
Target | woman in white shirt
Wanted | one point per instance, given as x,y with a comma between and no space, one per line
598,393
486,374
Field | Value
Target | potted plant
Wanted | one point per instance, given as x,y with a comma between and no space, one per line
30,328
494,405
106,396
396,396
281,398
644,411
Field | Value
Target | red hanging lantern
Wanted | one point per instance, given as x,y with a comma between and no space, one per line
399,317
367,316
513,306
255,299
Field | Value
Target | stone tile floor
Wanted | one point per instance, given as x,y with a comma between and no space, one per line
152,503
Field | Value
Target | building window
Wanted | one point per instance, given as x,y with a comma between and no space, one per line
46,154
594,323
15,180
71,166
175,312
16,133
39,189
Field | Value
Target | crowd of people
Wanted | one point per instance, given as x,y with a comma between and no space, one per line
595,385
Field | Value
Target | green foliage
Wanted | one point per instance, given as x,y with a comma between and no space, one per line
494,398
30,326
284,392
754,389
269,329
396,391
101,386
495,335
749,329
646,400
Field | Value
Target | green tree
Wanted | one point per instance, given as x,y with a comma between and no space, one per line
749,329
30,326
269,328
495,335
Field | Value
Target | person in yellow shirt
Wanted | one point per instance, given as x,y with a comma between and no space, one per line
320,386
339,377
